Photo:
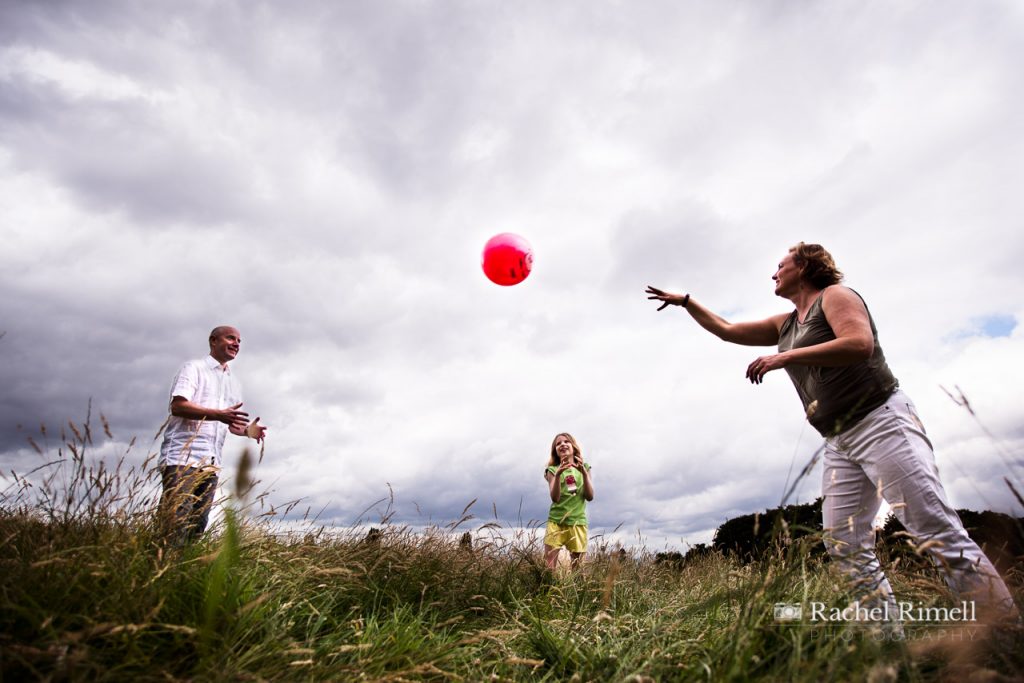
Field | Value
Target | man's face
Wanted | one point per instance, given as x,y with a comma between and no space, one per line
224,346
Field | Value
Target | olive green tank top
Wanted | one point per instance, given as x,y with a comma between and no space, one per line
844,394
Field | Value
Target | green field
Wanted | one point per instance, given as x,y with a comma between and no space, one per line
89,592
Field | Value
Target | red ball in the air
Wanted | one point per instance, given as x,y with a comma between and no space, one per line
507,259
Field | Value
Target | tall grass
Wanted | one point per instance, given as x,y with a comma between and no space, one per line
89,591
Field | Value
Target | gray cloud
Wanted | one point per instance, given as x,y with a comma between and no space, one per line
324,178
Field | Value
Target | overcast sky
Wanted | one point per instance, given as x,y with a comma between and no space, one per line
323,175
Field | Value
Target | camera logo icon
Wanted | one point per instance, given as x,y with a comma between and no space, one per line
786,611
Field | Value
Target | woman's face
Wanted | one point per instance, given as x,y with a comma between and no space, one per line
787,277
563,447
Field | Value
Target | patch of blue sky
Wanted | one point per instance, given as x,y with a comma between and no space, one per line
991,326
997,325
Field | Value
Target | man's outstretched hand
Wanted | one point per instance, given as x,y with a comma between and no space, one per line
233,417
256,431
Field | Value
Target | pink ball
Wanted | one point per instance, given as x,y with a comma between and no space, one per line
507,259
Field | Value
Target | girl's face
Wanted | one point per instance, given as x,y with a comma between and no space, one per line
563,447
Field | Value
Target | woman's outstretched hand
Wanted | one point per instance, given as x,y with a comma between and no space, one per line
667,298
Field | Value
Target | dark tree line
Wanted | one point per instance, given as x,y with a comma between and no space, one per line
1000,536
754,537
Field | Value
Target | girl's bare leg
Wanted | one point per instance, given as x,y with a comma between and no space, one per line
551,557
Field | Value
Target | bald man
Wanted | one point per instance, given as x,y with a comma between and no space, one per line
206,402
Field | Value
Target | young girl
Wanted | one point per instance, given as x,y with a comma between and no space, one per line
570,487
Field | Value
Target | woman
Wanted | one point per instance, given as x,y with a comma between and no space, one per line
570,487
875,443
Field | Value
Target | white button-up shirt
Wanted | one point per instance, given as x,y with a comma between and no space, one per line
199,442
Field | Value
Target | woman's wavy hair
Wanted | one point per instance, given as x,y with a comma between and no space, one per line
554,459
816,264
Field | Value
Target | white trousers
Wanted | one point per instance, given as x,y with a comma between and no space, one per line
888,455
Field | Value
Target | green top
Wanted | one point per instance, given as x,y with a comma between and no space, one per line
571,508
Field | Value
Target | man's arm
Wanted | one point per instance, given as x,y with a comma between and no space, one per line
754,333
232,416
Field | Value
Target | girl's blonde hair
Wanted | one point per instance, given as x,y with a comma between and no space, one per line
554,459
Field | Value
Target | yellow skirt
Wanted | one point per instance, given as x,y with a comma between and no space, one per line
573,537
